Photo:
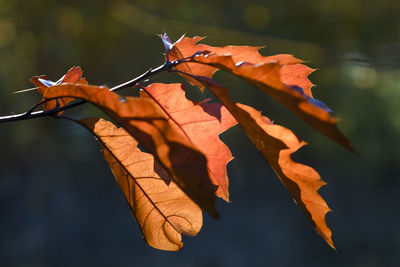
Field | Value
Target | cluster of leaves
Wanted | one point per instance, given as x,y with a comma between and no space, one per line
166,154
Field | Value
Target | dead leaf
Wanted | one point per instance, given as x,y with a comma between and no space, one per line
279,76
73,75
201,123
162,210
267,78
142,119
293,72
277,144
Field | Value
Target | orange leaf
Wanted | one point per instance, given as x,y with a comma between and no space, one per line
277,144
281,76
142,119
201,123
73,75
162,210
292,71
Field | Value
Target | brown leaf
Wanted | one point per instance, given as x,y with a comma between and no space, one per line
267,78
281,76
73,75
162,210
201,123
292,71
142,119
277,144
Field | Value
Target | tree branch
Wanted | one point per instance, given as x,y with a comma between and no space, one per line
31,114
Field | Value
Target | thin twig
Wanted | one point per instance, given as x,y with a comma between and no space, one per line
25,90
31,114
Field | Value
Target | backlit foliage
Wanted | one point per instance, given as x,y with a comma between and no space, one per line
164,149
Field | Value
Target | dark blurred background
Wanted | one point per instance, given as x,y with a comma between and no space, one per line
60,205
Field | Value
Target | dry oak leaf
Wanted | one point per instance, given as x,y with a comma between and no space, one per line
277,144
266,73
142,119
201,123
293,72
162,210
73,75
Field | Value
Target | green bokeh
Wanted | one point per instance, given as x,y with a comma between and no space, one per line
59,204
